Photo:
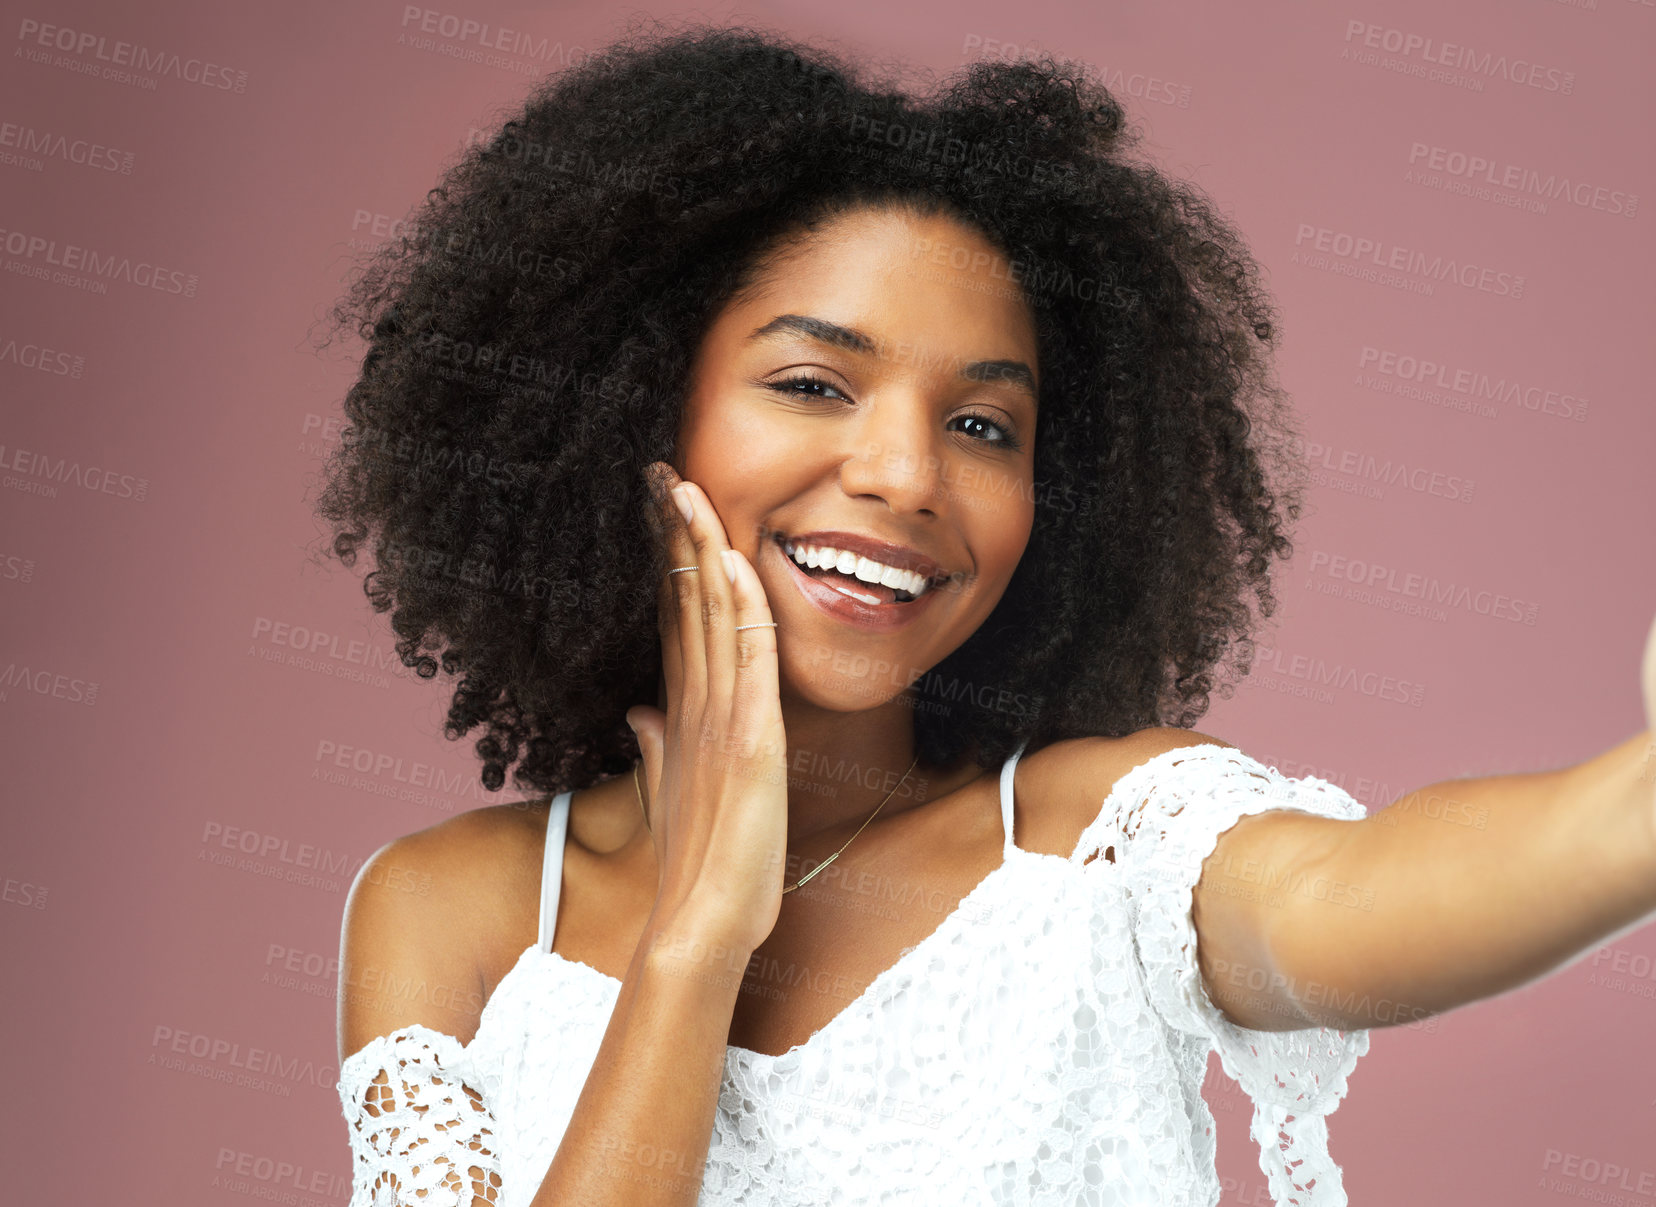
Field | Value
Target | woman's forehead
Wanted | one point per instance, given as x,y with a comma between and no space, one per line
931,285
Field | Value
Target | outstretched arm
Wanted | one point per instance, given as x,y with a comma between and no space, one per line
1458,891
1468,888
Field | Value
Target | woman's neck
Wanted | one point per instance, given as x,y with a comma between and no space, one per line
841,765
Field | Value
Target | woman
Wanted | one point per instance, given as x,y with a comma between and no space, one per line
897,472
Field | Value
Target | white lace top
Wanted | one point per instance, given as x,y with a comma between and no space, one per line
1045,1045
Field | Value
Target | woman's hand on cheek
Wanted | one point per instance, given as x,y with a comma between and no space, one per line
716,759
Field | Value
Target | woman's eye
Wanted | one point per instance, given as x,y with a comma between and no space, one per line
983,421
807,386
812,387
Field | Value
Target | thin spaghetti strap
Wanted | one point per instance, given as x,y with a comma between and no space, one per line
1007,770
557,827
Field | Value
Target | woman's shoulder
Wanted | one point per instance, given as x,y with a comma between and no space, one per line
488,855
432,915
490,842
1069,781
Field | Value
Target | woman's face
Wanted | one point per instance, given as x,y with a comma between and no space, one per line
911,444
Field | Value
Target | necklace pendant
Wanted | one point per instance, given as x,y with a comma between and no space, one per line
814,871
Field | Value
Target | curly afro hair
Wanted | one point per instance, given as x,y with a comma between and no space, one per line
530,334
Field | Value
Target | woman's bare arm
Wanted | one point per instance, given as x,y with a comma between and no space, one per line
408,958
1468,888
717,810
714,761
1455,892
640,1130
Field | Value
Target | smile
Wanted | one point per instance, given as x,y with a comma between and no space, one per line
867,594
860,577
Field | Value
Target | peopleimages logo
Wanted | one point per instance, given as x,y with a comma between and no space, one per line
262,1177
1369,472
41,359
469,40
1477,384
237,1063
1320,672
24,143
43,473
1376,259
1596,1173
37,252
39,40
1484,64
1525,182
1375,577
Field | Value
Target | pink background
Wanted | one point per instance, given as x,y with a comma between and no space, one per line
177,582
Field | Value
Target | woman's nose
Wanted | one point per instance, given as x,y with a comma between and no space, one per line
899,463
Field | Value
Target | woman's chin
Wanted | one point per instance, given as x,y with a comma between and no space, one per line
848,683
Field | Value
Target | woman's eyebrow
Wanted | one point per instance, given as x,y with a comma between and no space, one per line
1016,372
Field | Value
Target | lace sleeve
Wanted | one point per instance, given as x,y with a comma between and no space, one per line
1164,818
420,1136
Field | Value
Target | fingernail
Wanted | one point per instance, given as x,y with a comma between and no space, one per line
729,559
681,496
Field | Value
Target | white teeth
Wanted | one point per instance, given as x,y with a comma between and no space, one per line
821,557
868,599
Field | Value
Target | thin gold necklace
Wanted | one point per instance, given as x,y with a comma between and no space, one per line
826,861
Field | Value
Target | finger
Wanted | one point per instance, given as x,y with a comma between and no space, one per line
717,603
756,707
672,666
685,589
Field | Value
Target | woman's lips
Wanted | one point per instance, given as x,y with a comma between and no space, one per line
875,618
